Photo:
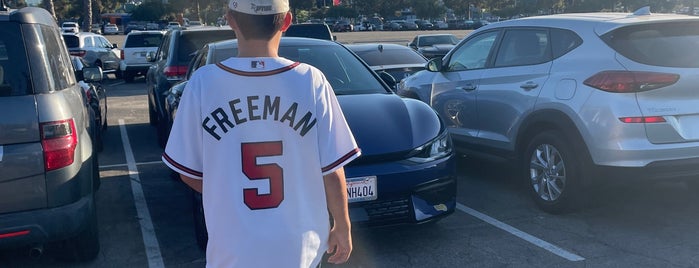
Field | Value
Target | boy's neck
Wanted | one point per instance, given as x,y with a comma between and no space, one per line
258,48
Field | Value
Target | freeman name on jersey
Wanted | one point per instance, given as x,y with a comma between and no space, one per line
253,108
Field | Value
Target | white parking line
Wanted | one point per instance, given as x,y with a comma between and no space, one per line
137,164
150,241
516,232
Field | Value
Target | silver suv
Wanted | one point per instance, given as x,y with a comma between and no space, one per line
48,169
133,54
95,49
572,98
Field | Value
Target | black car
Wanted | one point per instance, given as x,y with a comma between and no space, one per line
310,30
169,65
407,158
95,97
399,61
48,168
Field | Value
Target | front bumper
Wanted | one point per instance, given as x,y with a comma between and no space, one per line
407,194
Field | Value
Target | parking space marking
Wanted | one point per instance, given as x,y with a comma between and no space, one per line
137,164
518,233
150,241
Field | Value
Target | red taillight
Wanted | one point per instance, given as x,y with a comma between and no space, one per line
176,72
121,54
59,140
643,119
79,53
13,234
630,82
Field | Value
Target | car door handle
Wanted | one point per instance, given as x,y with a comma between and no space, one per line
469,87
529,85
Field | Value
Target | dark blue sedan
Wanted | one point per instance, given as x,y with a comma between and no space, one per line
406,174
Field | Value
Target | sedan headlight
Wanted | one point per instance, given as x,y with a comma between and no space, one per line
438,148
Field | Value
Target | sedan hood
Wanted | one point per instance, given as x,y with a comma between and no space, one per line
386,123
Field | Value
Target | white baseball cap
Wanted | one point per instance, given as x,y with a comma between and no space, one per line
259,7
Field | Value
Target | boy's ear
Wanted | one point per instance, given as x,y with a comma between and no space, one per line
288,19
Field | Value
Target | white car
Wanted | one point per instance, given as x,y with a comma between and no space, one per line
111,29
70,27
574,100
173,25
133,53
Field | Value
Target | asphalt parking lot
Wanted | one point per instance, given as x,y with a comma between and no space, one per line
145,215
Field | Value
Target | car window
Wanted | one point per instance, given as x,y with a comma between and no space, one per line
103,42
190,42
72,41
164,46
473,54
14,69
89,42
438,39
345,72
563,41
671,44
56,60
143,40
391,57
523,47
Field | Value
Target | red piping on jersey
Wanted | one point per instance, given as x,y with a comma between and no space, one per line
341,160
266,73
183,168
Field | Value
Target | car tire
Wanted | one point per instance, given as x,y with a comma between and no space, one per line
128,77
152,116
553,172
85,246
163,131
200,232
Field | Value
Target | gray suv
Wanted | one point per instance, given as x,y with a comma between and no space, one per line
48,169
574,99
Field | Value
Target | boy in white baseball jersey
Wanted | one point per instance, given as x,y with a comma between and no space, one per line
264,140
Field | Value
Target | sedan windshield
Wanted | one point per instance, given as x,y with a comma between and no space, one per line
343,70
438,39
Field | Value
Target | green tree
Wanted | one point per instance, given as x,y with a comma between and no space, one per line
428,8
153,10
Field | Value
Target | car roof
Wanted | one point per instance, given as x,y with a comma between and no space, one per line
425,35
139,32
373,46
28,15
601,22
285,41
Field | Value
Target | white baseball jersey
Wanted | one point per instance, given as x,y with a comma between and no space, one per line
261,133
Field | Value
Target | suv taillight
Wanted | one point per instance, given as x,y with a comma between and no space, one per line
78,53
630,82
122,54
59,140
175,72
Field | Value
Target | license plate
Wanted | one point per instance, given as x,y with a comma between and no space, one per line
361,189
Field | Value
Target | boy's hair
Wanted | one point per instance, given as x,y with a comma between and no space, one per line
261,27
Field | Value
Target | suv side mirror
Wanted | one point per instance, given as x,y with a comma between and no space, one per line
150,56
388,79
92,74
434,65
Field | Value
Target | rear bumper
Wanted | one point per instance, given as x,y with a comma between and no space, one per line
142,69
45,225
683,169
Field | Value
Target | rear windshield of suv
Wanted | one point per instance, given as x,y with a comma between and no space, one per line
671,44
72,41
191,41
14,70
143,40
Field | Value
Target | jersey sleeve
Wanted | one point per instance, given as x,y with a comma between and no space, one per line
184,150
336,142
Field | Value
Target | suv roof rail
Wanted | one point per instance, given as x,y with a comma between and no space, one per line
3,7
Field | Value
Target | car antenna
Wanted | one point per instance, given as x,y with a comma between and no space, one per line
3,7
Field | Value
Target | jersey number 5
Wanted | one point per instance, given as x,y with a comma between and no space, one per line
272,172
